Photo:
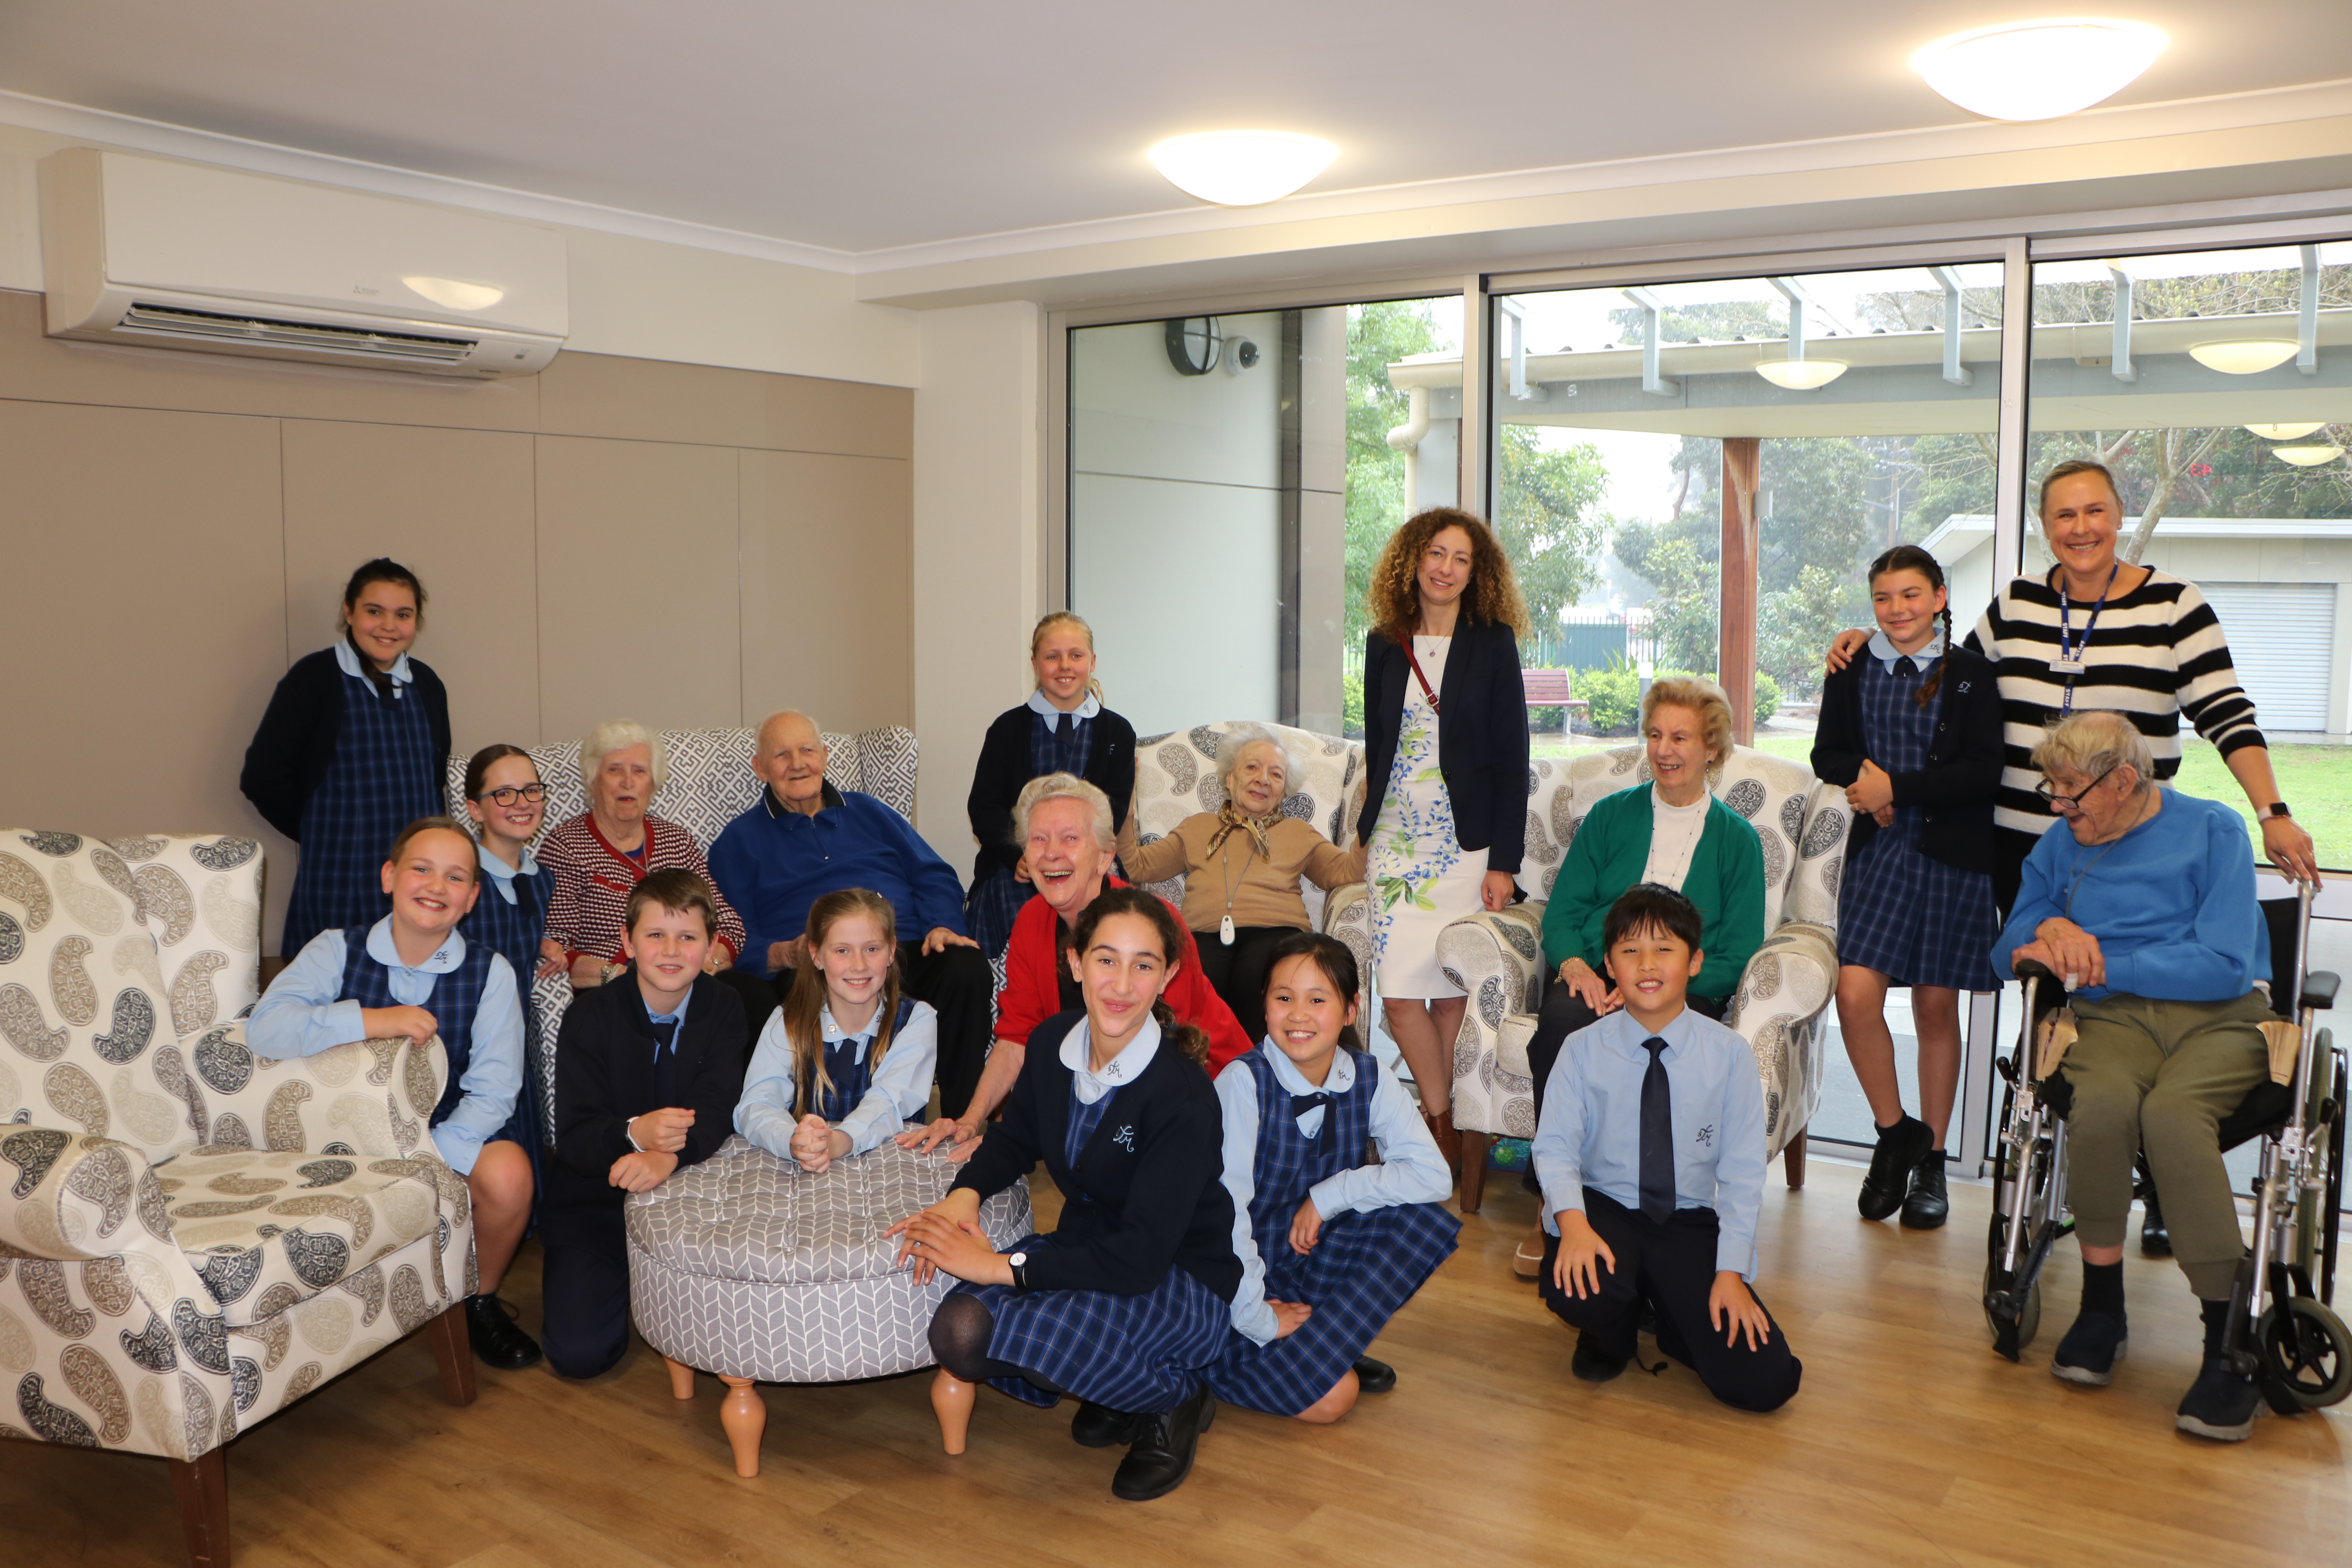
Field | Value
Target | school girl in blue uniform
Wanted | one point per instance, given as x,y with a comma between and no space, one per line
847,1062
507,804
349,752
1913,730
1331,1247
411,975
1127,1303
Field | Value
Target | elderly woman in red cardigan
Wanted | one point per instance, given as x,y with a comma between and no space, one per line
1068,844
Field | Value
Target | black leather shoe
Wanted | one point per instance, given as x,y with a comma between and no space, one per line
491,1328
1928,1205
1100,1427
2220,1405
1594,1365
1892,1165
1374,1376
1161,1456
2155,1236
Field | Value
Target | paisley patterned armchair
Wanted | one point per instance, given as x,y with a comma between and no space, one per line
1498,957
194,1238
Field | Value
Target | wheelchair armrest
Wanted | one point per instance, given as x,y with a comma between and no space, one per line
2319,989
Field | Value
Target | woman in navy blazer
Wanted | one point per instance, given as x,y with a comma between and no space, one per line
1445,746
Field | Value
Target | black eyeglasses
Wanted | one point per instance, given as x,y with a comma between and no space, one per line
2060,802
507,795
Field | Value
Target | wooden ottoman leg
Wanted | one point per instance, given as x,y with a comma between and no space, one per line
202,1485
681,1379
1792,1160
952,1400
453,1351
744,1416
1474,1146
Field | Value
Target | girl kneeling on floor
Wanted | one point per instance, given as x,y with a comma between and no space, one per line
847,1062
1128,1302
1331,1247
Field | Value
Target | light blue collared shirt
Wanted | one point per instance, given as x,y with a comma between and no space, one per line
502,876
1591,1125
348,659
1883,650
1412,1169
305,1012
900,1088
1051,714
1078,1051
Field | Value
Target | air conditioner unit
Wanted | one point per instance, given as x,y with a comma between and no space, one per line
179,255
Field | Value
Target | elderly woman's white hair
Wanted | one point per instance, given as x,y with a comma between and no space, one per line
619,735
1066,787
2093,743
1236,745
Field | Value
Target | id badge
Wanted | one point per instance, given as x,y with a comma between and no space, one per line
2066,667
1226,931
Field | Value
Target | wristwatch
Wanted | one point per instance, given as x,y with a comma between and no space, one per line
613,971
2276,808
1019,1263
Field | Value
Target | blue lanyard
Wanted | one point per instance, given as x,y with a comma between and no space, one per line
2069,650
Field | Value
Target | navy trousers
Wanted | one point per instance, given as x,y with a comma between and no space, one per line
584,1299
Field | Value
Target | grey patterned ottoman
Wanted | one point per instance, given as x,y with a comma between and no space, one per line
749,1268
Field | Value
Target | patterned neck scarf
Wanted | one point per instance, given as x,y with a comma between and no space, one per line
1230,817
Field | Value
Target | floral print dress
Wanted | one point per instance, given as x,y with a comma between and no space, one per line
1422,879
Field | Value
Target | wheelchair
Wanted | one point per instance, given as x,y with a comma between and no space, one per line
2283,1330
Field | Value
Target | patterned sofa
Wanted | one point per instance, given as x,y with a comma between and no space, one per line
194,1237
1498,957
1176,777
710,783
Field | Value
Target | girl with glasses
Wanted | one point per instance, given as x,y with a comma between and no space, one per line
507,803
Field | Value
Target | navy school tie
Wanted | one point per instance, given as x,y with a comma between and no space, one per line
1657,1137
1300,1104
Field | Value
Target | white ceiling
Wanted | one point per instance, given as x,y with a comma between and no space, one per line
862,127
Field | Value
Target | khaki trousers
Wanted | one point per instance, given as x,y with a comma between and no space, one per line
2160,1076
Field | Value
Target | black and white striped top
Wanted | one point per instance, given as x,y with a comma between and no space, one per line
2157,654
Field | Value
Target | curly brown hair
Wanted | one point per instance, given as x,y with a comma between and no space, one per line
1492,597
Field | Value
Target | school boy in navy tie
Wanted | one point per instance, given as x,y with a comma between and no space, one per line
1651,1153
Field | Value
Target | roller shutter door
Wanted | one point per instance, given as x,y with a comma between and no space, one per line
2281,638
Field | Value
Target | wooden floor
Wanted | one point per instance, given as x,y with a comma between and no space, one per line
1911,1442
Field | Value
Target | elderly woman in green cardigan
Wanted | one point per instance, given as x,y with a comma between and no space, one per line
1673,832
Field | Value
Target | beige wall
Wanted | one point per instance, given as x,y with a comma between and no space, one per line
683,544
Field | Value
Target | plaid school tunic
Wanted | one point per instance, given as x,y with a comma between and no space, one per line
513,932
454,999
385,774
1365,1265
1916,921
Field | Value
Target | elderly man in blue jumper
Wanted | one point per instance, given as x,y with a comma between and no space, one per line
2145,911
806,839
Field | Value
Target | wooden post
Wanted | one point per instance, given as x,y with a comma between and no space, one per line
202,1485
1736,655
743,1415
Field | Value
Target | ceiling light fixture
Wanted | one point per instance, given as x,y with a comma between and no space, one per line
2283,432
2308,456
2038,69
2249,356
452,295
1800,375
1241,168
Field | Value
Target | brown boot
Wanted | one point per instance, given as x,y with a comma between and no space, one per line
1449,1142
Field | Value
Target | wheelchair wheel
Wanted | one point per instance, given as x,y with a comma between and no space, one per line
2029,1322
2307,1351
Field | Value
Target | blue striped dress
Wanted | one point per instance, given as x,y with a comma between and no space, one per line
1916,921
385,775
1365,1265
513,932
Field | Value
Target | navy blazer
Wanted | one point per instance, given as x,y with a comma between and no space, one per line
1955,791
1482,737
1148,1194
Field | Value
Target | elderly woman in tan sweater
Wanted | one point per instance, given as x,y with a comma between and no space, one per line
1241,866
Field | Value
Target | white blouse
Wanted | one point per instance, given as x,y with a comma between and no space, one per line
1674,838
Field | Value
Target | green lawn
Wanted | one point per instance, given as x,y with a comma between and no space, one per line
2315,780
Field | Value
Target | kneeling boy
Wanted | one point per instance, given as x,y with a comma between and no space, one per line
1651,1153
647,1070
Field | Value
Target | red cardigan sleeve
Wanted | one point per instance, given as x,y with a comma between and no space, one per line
1032,993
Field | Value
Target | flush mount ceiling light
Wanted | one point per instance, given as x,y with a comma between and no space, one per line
2283,432
2038,69
2308,456
1800,375
1241,168
2245,357
452,295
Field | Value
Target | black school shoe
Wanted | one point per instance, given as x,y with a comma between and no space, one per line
1892,1165
1163,1453
491,1330
2220,1405
1374,1376
2155,1236
1928,1205
1100,1427
2088,1353
1591,1364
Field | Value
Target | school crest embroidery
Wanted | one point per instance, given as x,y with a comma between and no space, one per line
1125,1139
1706,1136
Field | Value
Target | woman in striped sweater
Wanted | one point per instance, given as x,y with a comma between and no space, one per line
2098,634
